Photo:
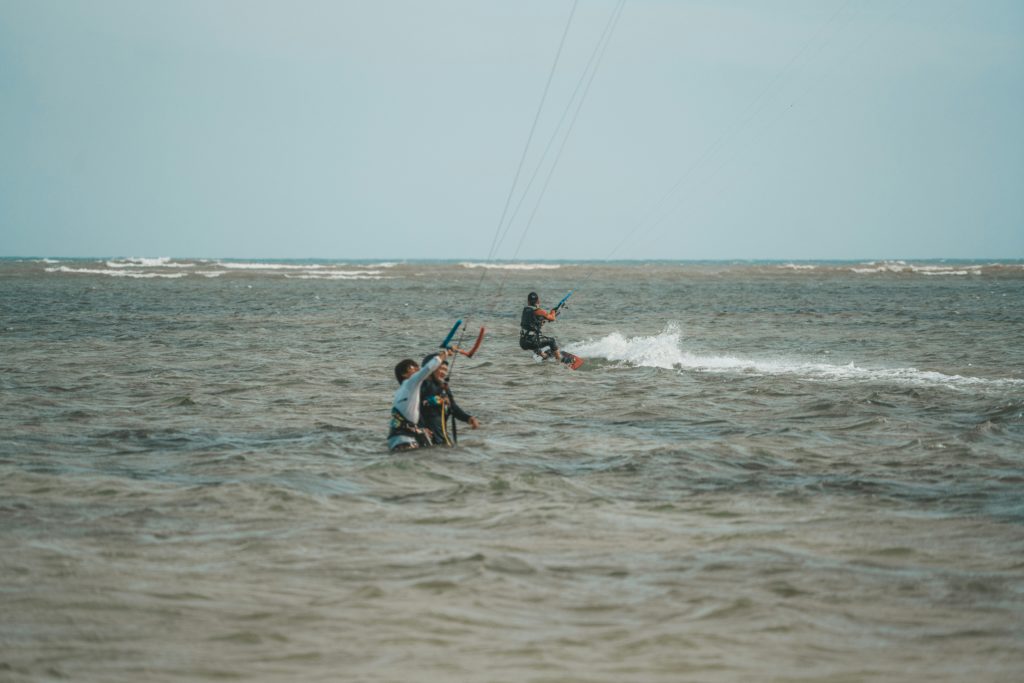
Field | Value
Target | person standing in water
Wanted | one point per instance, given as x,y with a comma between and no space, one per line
531,323
437,403
404,432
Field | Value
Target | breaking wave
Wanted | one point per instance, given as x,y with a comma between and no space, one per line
143,267
142,262
113,273
929,269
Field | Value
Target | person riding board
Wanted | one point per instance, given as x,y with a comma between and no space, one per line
437,403
404,432
531,323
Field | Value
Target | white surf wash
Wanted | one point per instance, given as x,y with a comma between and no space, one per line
665,350
243,265
112,273
926,269
311,271
143,262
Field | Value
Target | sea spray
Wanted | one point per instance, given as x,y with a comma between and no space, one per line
665,350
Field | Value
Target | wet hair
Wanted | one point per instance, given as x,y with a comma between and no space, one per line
532,298
402,368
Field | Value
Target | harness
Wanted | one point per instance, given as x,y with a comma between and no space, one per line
530,323
440,400
402,427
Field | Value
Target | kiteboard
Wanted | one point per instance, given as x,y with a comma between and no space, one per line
570,359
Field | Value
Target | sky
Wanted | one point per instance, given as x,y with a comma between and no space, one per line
348,129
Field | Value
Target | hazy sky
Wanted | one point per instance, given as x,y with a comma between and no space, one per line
785,129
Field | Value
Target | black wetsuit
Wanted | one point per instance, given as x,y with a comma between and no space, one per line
434,411
530,337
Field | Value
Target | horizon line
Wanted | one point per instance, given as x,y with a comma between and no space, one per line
527,260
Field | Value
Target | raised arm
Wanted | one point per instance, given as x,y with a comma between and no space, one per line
407,398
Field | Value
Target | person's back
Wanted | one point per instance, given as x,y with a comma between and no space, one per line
531,324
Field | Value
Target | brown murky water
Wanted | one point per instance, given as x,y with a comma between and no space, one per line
768,472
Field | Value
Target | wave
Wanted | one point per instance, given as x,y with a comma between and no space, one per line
255,265
901,267
338,275
512,266
136,267
112,273
665,350
929,269
313,268
142,262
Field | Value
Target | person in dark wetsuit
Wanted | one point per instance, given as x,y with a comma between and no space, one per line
437,403
530,323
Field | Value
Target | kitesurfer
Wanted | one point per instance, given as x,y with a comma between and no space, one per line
530,323
404,432
437,403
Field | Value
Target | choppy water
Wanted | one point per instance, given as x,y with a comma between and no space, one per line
776,472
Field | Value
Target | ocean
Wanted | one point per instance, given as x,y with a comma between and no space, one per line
770,471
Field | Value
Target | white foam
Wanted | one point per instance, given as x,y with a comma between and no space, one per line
142,262
659,351
338,275
904,267
798,266
664,350
138,267
242,265
112,273
512,266
318,267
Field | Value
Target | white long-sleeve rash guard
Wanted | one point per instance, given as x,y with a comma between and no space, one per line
407,399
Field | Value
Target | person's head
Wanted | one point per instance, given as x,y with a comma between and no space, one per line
532,298
442,369
405,369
